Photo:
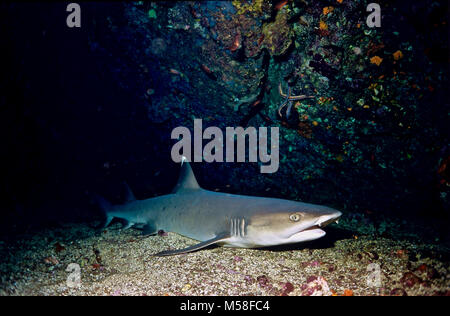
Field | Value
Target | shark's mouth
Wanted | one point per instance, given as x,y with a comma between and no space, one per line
322,225
331,220
311,228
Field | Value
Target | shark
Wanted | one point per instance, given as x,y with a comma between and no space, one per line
224,219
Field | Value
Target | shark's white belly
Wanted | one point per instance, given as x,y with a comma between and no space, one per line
238,242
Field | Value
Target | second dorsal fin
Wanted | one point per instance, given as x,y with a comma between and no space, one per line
187,180
129,196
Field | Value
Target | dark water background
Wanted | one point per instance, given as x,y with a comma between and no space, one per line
74,121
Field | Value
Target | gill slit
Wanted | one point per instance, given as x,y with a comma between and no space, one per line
238,227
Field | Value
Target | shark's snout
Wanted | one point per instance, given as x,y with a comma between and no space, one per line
329,218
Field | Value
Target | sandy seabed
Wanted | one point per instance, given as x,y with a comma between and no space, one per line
113,261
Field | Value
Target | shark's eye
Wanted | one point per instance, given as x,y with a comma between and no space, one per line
294,217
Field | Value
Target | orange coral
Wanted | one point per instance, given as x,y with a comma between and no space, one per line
376,60
280,4
398,55
348,293
323,26
327,10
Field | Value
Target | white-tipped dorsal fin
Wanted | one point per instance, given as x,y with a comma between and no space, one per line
187,180
129,196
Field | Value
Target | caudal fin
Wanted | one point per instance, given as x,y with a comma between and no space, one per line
105,207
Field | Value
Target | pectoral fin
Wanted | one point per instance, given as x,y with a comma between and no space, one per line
127,224
129,196
195,247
